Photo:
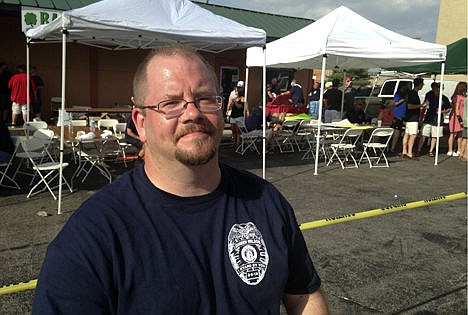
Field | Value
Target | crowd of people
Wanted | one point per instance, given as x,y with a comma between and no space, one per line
416,124
413,119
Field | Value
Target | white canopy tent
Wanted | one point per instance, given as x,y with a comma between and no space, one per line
345,39
143,24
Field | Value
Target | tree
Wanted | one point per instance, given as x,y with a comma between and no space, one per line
354,74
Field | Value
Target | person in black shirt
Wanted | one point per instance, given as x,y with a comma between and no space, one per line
430,128
413,109
332,102
356,115
314,93
182,233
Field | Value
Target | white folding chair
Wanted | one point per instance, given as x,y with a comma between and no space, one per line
374,148
284,138
5,179
93,154
119,131
248,139
31,126
302,135
24,164
107,123
47,171
78,122
345,148
47,137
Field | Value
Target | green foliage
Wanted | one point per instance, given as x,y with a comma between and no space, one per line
354,74
30,19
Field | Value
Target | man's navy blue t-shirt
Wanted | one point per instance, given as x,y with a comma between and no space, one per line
296,94
255,119
134,249
412,115
431,116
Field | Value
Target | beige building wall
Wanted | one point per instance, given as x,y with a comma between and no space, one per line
452,23
452,26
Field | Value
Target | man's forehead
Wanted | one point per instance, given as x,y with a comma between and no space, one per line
167,65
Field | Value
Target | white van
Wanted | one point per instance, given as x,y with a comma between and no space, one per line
391,86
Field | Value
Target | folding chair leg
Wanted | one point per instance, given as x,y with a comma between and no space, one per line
11,180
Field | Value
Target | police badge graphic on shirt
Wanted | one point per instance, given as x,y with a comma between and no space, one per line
247,252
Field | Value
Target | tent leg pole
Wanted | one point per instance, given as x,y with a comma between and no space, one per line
442,70
322,86
64,58
264,115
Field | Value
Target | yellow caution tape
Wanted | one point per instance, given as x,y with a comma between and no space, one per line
376,212
22,286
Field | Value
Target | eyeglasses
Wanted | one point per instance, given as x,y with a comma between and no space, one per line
176,107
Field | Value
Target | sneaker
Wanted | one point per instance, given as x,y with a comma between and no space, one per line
456,154
449,153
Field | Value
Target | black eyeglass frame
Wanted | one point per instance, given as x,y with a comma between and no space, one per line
218,100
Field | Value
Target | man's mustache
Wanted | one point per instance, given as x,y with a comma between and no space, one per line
192,128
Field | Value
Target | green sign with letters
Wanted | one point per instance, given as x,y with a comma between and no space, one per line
33,17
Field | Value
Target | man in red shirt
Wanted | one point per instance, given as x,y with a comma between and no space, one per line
18,86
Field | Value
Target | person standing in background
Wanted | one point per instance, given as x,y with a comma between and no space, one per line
399,112
5,93
349,93
37,102
296,97
236,108
430,127
18,85
455,119
275,89
314,93
464,143
413,109
332,102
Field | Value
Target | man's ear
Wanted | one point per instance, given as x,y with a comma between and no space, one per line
139,121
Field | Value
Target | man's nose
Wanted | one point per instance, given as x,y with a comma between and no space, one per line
191,111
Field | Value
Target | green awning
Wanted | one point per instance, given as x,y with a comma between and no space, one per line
455,62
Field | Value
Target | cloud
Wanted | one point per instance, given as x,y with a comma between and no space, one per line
416,18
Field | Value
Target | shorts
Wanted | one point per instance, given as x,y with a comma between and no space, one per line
428,130
398,124
235,120
18,108
411,128
465,133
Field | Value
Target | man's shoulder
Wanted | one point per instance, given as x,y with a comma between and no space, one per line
244,180
114,196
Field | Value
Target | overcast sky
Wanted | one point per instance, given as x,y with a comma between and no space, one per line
413,18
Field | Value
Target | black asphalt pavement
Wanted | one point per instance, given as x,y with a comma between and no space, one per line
407,262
